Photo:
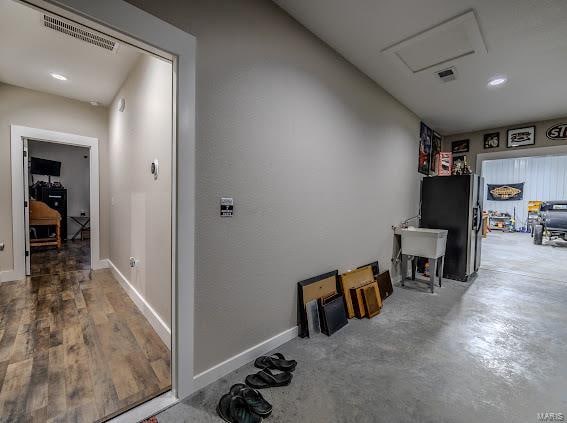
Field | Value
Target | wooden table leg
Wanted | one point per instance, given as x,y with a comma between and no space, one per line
58,235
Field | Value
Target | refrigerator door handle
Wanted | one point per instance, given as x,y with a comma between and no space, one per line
477,217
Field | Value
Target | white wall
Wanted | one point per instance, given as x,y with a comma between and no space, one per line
321,162
140,211
20,106
74,176
545,179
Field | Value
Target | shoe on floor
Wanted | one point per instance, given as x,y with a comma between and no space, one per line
275,362
234,409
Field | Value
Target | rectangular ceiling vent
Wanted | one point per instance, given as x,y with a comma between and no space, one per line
446,75
79,32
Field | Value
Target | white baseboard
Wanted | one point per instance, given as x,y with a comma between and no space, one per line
149,313
222,369
100,264
8,276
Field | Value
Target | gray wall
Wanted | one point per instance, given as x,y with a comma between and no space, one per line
74,176
20,106
477,140
320,160
140,210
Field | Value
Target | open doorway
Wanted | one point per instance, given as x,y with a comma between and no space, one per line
58,190
86,305
526,214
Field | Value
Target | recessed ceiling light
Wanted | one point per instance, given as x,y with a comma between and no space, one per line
59,76
497,81
94,103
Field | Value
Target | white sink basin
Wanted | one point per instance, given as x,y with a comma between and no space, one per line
424,242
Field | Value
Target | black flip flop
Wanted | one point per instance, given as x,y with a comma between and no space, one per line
235,410
253,398
275,361
266,379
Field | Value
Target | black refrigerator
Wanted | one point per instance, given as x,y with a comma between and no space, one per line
455,203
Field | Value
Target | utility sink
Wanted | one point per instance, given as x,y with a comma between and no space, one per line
423,242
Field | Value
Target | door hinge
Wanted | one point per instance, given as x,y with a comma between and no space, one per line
25,203
25,153
27,253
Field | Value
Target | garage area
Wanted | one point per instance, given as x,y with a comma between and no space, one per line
526,216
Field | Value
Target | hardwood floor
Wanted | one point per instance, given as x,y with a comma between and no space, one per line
74,347
73,255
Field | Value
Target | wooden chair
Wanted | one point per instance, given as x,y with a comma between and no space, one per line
43,215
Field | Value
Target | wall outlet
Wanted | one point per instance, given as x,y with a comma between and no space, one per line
1,246
132,262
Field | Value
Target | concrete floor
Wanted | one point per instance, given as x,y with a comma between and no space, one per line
492,350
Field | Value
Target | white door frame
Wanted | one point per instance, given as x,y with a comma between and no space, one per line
17,136
128,23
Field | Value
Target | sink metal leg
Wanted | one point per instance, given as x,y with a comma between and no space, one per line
442,258
413,267
404,268
432,272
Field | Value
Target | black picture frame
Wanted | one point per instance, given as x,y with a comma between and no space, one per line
460,146
510,143
492,140
425,146
301,314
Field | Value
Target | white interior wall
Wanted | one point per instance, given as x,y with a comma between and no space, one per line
140,206
74,175
545,179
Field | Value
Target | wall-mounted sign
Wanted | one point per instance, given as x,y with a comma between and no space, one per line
492,140
521,136
226,207
557,132
509,192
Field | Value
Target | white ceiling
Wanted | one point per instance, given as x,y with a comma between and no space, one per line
29,52
526,40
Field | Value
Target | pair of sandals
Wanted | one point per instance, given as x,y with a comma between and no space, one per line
244,404
265,378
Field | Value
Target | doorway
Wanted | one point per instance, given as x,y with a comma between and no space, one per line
57,187
518,192
109,320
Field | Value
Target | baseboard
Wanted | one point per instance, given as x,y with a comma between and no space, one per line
8,276
222,369
100,264
149,313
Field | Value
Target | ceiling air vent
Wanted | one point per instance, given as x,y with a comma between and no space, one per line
79,32
446,75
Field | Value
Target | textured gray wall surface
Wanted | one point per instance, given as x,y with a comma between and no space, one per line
320,160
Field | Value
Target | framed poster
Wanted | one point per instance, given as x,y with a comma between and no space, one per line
492,140
521,136
444,163
435,150
459,147
425,141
